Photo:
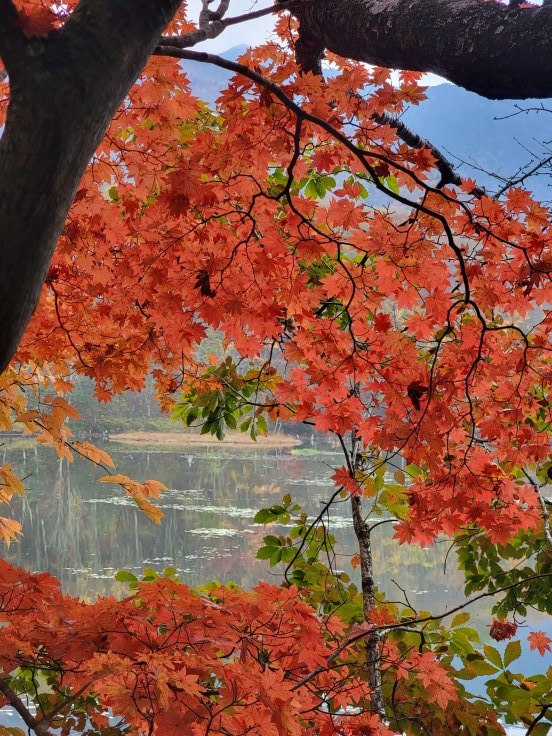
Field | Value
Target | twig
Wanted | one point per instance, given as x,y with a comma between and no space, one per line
522,177
412,622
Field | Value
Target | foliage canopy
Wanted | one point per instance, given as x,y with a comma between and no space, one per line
348,290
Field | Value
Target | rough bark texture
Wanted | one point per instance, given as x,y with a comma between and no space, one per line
373,643
487,47
64,91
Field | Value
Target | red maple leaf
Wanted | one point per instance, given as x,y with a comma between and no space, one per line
38,22
539,640
382,322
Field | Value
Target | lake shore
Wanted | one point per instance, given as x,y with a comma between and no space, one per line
185,439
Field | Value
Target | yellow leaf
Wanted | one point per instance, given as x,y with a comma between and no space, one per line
59,402
153,488
9,529
140,493
62,450
93,453
368,488
151,511
399,476
10,480
28,417
116,478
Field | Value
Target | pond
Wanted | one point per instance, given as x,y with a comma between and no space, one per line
84,531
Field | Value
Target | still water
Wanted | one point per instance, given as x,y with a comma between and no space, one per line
84,531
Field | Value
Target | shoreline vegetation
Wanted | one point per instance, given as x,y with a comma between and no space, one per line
184,439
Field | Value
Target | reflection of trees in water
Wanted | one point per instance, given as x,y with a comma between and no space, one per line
83,531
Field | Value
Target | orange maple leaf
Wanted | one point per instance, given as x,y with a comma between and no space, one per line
37,22
540,641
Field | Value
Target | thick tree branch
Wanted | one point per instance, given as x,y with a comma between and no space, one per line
487,47
373,642
69,86
41,728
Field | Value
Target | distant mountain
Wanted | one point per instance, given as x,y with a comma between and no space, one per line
474,129
206,80
466,127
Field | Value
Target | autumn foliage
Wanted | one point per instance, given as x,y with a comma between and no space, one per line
347,291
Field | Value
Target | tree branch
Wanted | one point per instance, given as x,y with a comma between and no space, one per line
545,514
486,47
216,24
538,718
406,134
368,630
41,728
363,156
412,139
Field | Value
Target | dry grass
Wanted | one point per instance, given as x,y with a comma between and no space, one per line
184,439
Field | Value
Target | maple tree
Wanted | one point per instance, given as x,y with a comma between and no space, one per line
414,330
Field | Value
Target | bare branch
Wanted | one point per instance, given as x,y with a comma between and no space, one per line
212,23
516,181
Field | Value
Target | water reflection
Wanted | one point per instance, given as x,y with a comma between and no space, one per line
83,531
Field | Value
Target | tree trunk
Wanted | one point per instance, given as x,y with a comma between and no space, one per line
486,47
373,643
65,89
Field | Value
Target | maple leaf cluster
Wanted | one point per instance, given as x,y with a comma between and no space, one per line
167,659
501,629
422,334
419,328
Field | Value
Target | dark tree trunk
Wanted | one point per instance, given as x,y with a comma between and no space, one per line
65,89
487,47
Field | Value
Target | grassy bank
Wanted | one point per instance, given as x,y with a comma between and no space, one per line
185,439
